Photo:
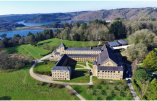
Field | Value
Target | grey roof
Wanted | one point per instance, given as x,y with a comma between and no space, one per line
103,47
62,60
62,45
106,54
110,68
123,41
65,68
82,55
94,63
114,43
84,49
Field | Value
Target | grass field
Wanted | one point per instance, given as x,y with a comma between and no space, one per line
78,76
18,28
38,52
69,43
104,90
19,85
82,63
44,67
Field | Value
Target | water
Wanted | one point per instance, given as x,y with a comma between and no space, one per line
33,24
20,32
25,32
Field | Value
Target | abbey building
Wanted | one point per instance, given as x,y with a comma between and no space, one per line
105,65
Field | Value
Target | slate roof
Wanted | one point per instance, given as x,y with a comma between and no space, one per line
56,53
61,61
110,68
65,68
84,49
94,63
106,54
123,41
62,45
82,55
114,43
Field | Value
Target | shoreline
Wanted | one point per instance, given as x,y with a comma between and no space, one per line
32,28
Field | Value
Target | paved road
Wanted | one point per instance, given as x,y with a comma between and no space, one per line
132,89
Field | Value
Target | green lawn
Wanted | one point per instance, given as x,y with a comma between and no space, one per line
90,65
78,76
69,43
104,90
19,85
16,49
38,52
44,67
18,28
74,66
82,63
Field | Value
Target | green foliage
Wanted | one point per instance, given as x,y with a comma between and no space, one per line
141,76
84,26
153,19
151,61
54,25
117,28
77,25
152,90
3,35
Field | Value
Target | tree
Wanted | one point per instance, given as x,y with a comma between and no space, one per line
151,61
84,26
116,28
1,45
17,35
141,76
29,34
134,66
153,19
77,25
117,18
3,35
152,90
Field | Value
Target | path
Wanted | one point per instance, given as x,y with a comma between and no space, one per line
45,78
134,94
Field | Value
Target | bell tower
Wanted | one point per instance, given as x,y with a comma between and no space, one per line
95,68
62,48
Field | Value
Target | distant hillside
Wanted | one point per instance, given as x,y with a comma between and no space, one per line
16,17
53,17
126,13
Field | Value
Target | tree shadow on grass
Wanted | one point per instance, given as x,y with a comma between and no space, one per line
5,98
45,42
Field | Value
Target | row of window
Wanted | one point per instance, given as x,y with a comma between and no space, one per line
107,76
60,76
109,71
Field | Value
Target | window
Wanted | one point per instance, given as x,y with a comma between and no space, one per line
67,74
118,71
108,76
98,71
105,76
111,76
102,71
58,76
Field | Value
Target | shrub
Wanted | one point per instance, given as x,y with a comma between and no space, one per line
116,93
111,87
99,86
120,87
59,86
108,92
103,92
90,91
98,91
70,92
99,98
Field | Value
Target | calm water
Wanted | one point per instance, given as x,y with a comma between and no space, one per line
20,32
33,24
25,32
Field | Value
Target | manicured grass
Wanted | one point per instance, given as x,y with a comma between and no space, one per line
104,90
78,76
69,43
17,28
82,63
16,49
74,66
90,65
19,85
36,51
44,67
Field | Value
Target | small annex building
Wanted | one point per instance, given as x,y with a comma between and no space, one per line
105,65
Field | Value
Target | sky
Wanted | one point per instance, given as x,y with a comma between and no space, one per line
29,7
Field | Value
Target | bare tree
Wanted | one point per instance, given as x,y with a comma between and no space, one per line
134,66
